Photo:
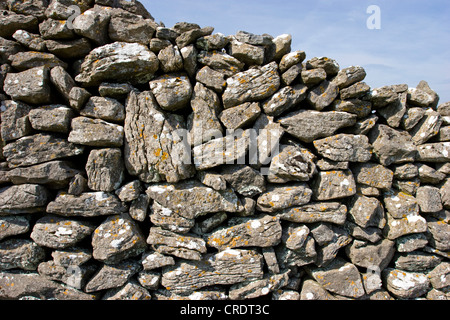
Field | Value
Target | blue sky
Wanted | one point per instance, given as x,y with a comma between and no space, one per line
413,43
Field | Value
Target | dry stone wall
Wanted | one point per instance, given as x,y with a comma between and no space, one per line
141,161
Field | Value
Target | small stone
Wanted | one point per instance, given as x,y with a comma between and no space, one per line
51,29
73,256
282,197
288,258
78,98
434,152
105,169
96,133
189,55
311,290
329,185
313,77
170,59
30,40
427,127
330,66
406,171
154,260
344,147
188,37
149,279
355,106
23,198
323,95
240,116
114,90
285,99
367,212
221,62
417,261
11,22
130,191
128,27
291,59
247,53
112,275
329,239
20,253
419,97
367,255
357,90
258,288
130,291
439,276
429,199
30,86
69,49
77,185
394,112
169,219
13,225
332,212
93,24
107,109
53,118
411,242
172,92
212,179
349,76
295,236
373,175
15,120
405,285
381,97
289,76
212,79
244,180
22,61
412,117
396,228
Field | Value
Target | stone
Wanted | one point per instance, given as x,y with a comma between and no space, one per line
220,62
172,92
268,137
400,204
247,53
73,276
285,99
153,150
78,98
251,85
129,191
445,194
13,225
371,234
149,279
60,9
253,39
263,231
134,7
382,97
118,61
339,277
52,118
77,185
434,152
289,76
189,37
373,175
394,112
128,27
313,77
22,61
69,49
113,275
23,198
107,109
170,59
345,147
258,288
330,185
412,117
88,204
20,253
438,234
288,258
281,45
93,24
29,86
189,55
429,199
186,246
406,171
11,22
73,256
164,33
8,48
191,199
392,146
291,59
349,76
307,125
15,120
330,66
417,261
139,207
114,90
95,133
367,255
53,174
439,276
116,239
311,290
130,291
329,239
59,233
154,260
328,165
419,98
357,90
323,95
363,126
105,169
332,212
396,228
51,29
293,163
169,219
411,242
212,179
405,285
211,78
276,197
244,180
240,116
427,127
367,212
355,106
294,236
226,267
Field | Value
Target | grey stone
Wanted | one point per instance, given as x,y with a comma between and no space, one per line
189,37
355,106
13,225
434,152
330,185
294,236
373,175
349,76
396,228
416,261
169,219
253,39
51,29
323,95
30,86
345,147
244,180
22,61
221,62
11,22
281,45
313,77
382,97
8,48
69,49
394,112
285,99
204,226
149,279
445,194
212,179
258,288
247,53
363,126
114,90
78,98
329,239
419,97
139,207
297,258
307,125
170,59
107,109
20,253
105,169
59,233
189,55
52,118
267,141
240,116
429,199
88,204
439,234
23,198
405,285
412,117
135,7
439,276
290,75
406,171
116,239
77,185
164,33
154,260
291,59
212,79
118,61
73,276
93,24
400,204
128,27
130,291
357,90
328,165
73,256
367,255
30,40
282,197
129,191
112,275
172,92
427,127
330,66
153,150
367,212
333,212
95,133
371,234
311,290
15,120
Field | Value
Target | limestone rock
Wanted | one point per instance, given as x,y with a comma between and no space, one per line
23,198
107,109
285,99
406,285
95,133
323,95
21,254
329,185
333,212
282,197
112,276
15,120
30,86
13,225
343,147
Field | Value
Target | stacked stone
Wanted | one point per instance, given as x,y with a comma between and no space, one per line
147,162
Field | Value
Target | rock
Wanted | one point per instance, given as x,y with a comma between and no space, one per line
13,225
73,256
439,276
291,59
15,120
244,180
153,149
154,260
373,175
438,235
289,76
285,99
367,255
8,48
112,276
34,285
170,59
371,234
185,246
116,239
96,133
253,39
164,33
188,37
73,276
53,118
308,126
282,197
445,194
392,146
297,258
344,147
329,238
139,207
264,231
149,279
427,127
22,61
294,236
355,106
357,90
405,285
267,140
412,117
107,109
191,199
240,116
226,267
115,91
412,223
105,169
169,219
313,77
367,212
247,53
220,62
406,171
329,185
51,29
400,204
54,174
311,290
172,92
332,212
78,98
429,199
434,152
339,277
69,49
128,27
382,97
258,288
411,242
30,86
129,191
23,198
93,24
39,148
59,233
417,261
134,7
130,291
251,85
323,95
419,97
212,179
349,76
11,22
212,79
21,254
118,61
189,55
394,112
88,204
330,66
293,163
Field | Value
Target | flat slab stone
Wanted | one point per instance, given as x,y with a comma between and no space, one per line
333,212
329,185
95,133
23,198
345,147
282,197
30,86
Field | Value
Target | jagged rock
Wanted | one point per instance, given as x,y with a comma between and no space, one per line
23,198
373,175
264,231
285,99
247,53
240,116
293,73
22,61
59,233
329,65
114,90
367,255
313,77
429,199
73,276
394,112
411,242
118,61
105,169
367,212
8,48
93,24
130,291
74,256
291,59
349,76
371,234
445,194
153,150
53,118
382,97
185,246
191,199
311,290
11,22
412,223
20,253
139,207
355,106
51,29
417,261
439,276
107,109
88,204
95,132
434,152
188,37
13,225
329,185
253,39
128,27
112,275
268,137
212,79
30,86
333,212
78,98
344,147
154,260
251,85
438,235
405,285
116,239
15,120
220,61
69,49
258,288
170,59
308,125
226,267
282,197
323,95
400,204
216,41
427,127
329,238
357,90
149,279
189,55
169,219
294,236
244,180
129,191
